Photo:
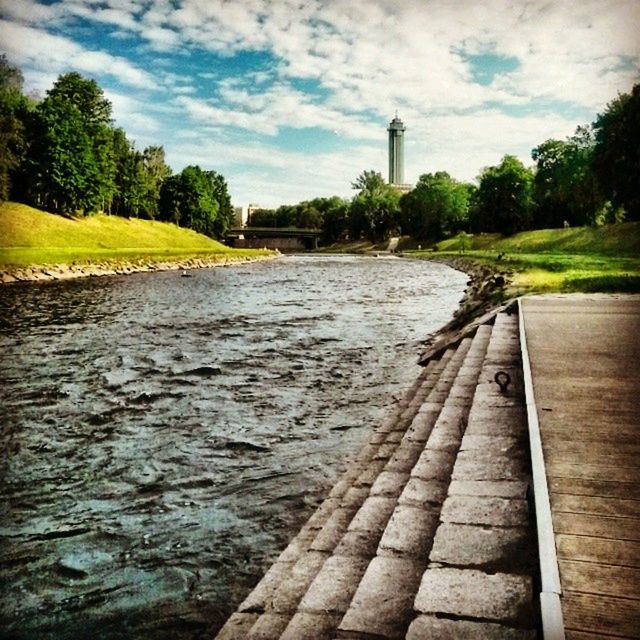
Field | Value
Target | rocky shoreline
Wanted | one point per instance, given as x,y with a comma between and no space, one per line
44,273
486,295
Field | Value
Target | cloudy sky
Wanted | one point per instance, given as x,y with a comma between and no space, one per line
291,99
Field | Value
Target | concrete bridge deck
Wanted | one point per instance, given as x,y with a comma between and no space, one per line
431,531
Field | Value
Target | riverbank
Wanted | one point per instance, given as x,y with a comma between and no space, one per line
39,246
40,273
488,292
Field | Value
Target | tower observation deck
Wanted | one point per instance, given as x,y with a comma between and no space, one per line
396,151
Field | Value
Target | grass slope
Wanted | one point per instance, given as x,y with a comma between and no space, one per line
29,236
585,259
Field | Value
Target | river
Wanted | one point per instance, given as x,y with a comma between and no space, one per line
163,437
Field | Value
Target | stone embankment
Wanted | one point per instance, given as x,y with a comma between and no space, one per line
10,275
429,533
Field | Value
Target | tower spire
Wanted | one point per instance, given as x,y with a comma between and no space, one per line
396,131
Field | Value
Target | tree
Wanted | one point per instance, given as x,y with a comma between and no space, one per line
370,182
437,206
225,216
616,156
503,202
374,211
14,109
334,221
565,186
198,200
71,158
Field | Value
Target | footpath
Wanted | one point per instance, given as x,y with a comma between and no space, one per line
433,531
585,365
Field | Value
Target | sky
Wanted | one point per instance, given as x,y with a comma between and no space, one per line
290,99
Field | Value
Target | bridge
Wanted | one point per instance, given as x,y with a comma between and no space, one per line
283,239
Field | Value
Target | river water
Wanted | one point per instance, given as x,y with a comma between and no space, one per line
163,437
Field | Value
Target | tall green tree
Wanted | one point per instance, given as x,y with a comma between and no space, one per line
195,198
156,171
436,207
225,216
374,211
565,186
71,158
616,158
504,200
14,113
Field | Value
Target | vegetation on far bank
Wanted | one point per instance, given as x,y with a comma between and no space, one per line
64,154
32,237
585,259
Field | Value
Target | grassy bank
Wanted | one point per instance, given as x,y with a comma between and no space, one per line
583,259
31,237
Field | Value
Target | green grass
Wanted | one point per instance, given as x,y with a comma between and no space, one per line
614,240
585,259
29,236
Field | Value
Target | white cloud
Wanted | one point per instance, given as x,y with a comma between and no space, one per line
369,58
45,52
133,116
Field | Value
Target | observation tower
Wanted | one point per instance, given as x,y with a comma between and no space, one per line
396,151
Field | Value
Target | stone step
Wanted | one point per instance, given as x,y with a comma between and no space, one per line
382,605
479,576
353,530
285,579
432,507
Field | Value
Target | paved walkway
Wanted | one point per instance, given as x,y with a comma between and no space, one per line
585,362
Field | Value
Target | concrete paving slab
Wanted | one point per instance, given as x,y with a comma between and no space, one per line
504,445
354,497
481,465
360,544
434,465
481,510
311,626
382,604
260,598
469,593
446,437
269,626
426,494
421,427
370,473
490,488
409,533
405,457
333,530
389,484
490,548
288,594
443,629
373,515
334,586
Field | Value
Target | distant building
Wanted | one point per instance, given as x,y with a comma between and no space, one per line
396,131
243,214
396,151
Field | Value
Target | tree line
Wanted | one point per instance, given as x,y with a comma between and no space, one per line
64,154
589,178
